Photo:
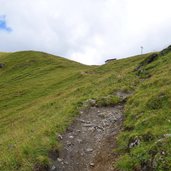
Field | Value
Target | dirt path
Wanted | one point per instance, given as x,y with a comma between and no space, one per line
88,143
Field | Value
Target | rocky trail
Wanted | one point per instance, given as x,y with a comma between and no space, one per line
89,142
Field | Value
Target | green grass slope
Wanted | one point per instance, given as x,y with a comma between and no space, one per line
148,119
40,94
34,88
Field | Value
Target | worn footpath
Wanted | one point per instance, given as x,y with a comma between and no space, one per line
89,142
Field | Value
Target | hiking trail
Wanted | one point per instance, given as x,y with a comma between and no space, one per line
89,142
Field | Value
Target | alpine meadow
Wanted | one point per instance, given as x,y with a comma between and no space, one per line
42,95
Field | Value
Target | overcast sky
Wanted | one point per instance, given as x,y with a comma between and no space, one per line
88,31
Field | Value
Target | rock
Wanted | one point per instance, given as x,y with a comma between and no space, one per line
151,58
109,60
123,95
111,119
79,140
91,129
163,152
102,115
78,131
66,148
83,121
92,164
90,102
167,135
2,65
84,73
166,50
68,143
53,167
99,127
89,150
59,160
134,142
105,123
88,125
147,61
71,137
81,112
59,136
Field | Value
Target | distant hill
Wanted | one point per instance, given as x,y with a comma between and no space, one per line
40,94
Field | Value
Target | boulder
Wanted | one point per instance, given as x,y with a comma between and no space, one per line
2,65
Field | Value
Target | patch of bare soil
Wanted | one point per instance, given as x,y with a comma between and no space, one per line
89,142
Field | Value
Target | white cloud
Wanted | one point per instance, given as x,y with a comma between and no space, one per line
88,31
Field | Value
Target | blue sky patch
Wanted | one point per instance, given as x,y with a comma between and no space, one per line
3,24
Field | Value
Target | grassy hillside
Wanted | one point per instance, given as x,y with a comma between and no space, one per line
40,94
34,88
148,119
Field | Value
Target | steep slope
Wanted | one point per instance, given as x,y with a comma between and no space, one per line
40,94
145,143
34,87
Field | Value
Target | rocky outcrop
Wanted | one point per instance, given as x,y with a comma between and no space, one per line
109,60
147,61
165,51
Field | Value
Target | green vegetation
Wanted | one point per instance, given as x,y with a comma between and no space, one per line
148,120
40,95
